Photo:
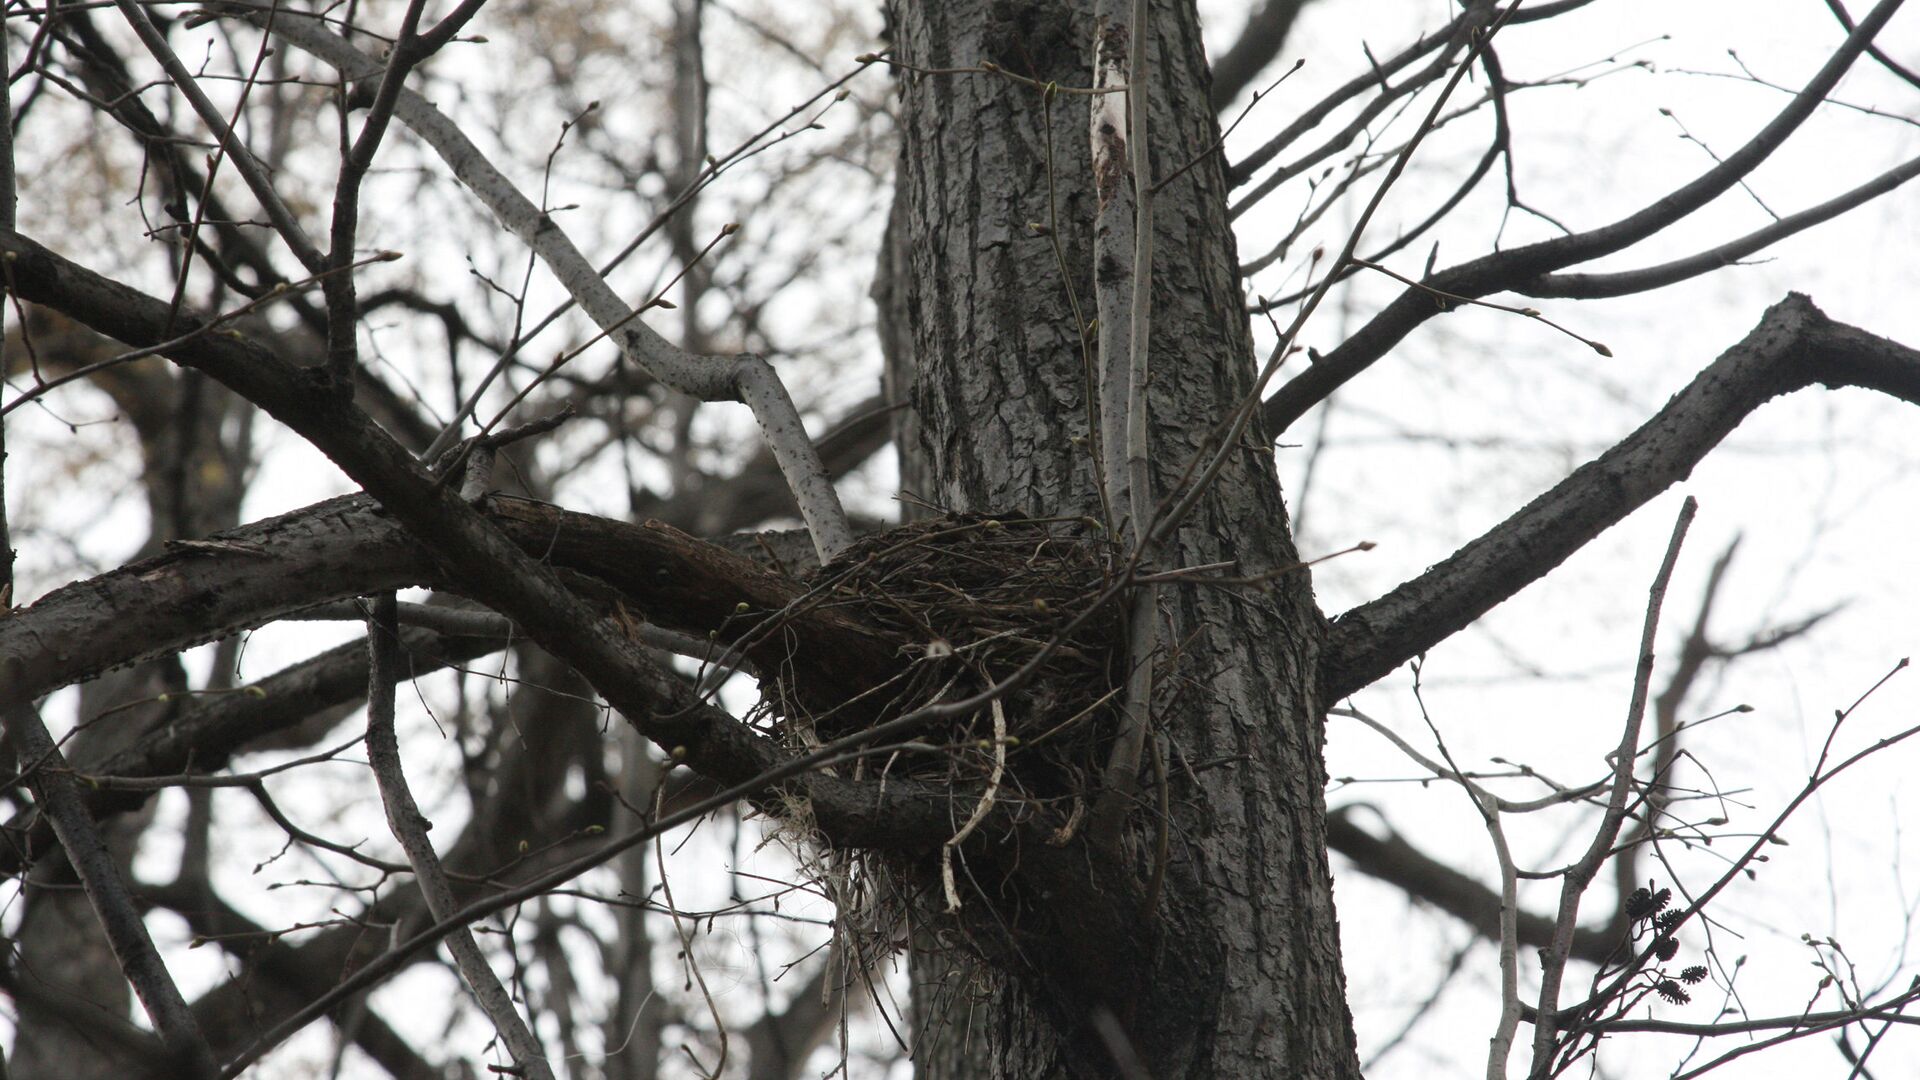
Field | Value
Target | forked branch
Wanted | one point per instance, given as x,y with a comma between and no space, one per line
1517,268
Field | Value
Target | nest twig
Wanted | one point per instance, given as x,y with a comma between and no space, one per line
978,597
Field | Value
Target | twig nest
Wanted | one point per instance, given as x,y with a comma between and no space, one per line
977,599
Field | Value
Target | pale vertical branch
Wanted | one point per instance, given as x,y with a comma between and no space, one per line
1115,238
58,796
409,826
1500,1045
1123,289
1139,314
746,377
1553,959
1489,806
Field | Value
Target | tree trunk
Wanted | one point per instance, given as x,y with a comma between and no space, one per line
1236,971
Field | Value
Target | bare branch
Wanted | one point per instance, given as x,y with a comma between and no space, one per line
757,492
1575,1019
279,977
1236,426
1794,346
1358,125
343,327
1429,880
8,204
410,827
250,168
1123,296
206,737
1259,42
1513,268
474,551
1314,115
1840,14
296,563
57,793
1625,282
745,378
779,1042
827,806
1573,884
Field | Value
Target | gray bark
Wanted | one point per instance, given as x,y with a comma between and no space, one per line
1236,971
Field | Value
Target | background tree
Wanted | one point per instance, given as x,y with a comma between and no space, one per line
1062,741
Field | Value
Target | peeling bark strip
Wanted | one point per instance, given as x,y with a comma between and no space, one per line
1114,243
1121,35
1112,42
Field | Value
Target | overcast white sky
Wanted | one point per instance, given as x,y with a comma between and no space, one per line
1480,411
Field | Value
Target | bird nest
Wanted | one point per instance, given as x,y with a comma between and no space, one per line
981,603
1009,669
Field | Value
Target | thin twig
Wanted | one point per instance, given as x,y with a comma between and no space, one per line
951,848
748,148
58,795
1235,428
1553,960
392,961
1222,140
236,150
746,377
410,827
1451,299
686,946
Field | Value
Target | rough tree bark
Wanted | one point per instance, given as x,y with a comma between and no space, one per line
1235,971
